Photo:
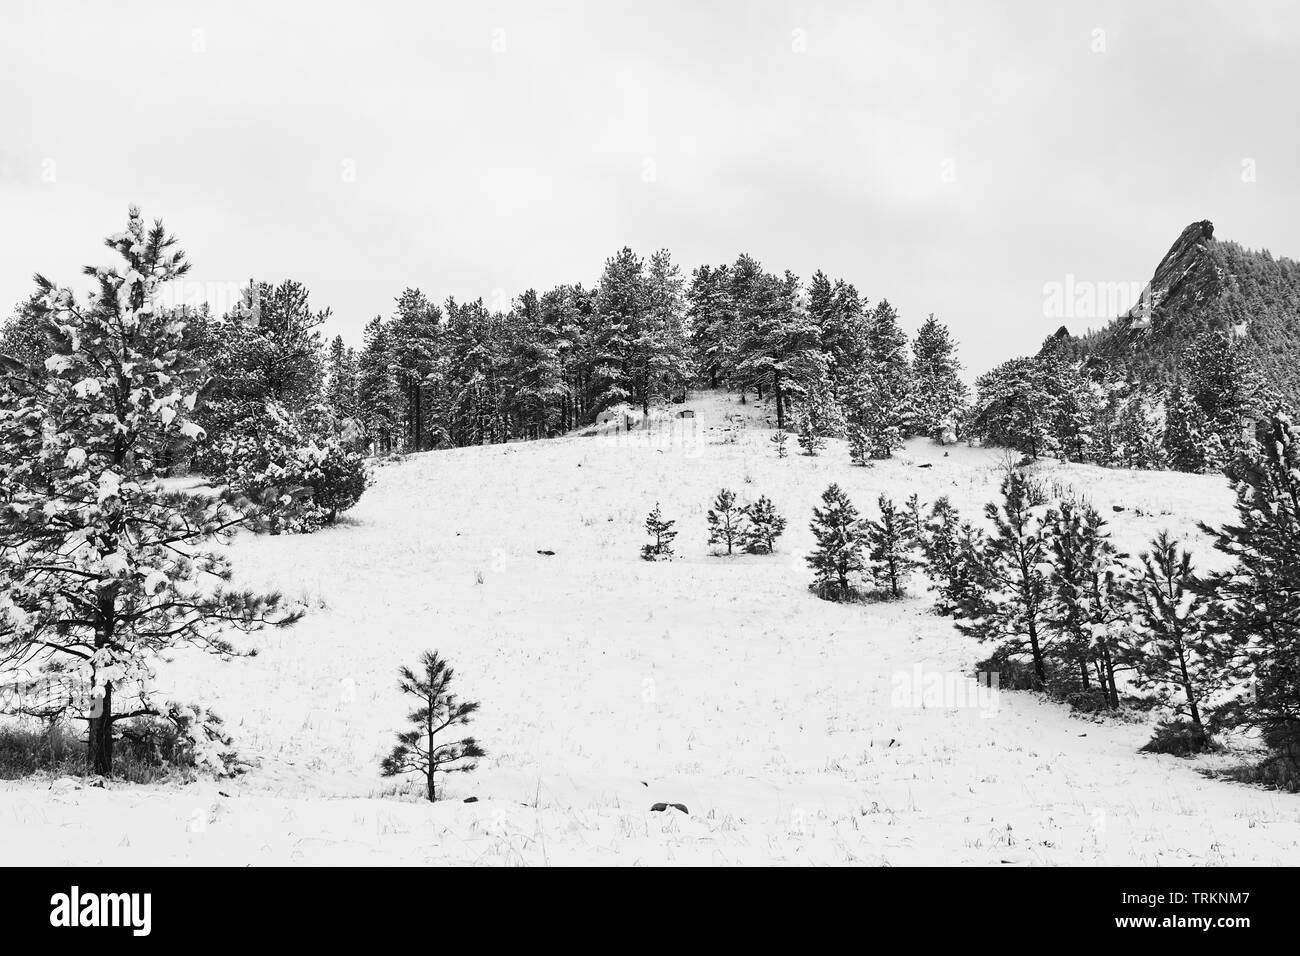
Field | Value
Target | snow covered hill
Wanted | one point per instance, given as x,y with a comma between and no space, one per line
609,684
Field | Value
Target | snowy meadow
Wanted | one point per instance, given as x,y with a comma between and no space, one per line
792,730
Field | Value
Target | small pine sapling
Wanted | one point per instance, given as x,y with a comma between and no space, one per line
780,439
891,547
418,750
809,440
1010,604
764,527
915,523
726,520
663,534
841,539
1176,647
953,551
859,446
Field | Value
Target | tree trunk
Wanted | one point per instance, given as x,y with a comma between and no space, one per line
1108,665
99,755
780,412
1187,688
429,789
1040,671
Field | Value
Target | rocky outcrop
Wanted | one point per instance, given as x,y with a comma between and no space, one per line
1204,283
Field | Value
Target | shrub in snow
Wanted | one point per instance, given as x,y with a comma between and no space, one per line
1182,738
290,481
763,527
338,479
839,556
103,572
725,520
182,735
421,750
662,532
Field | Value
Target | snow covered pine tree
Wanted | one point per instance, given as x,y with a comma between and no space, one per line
764,527
726,520
841,539
891,547
1010,607
102,565
662,532
1175,652
1257,602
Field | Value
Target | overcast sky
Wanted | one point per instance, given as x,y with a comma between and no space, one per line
955,158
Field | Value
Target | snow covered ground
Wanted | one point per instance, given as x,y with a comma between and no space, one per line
609,684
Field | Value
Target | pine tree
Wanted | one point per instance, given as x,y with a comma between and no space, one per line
875,417
936,379
267,349
837,311
860,445
413,343
22,336
953,552
1017,407
1185,432
780,439
763,527
726,520
1224,381
662,346
780,350
663,534
619,361
537,387
1088,595
819,416
841,542
808,436
1256,603
878,403
1105,426
420,749
1011,605
886,357
710,312
341,389
1140,443
104,571
1176,650
1075,400
891,547
914,520
379,395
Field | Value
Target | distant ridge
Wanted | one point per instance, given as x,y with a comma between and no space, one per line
1205,283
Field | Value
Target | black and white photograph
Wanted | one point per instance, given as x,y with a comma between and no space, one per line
617,435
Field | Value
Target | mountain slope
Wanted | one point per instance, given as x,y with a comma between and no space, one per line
610,684
1206,283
